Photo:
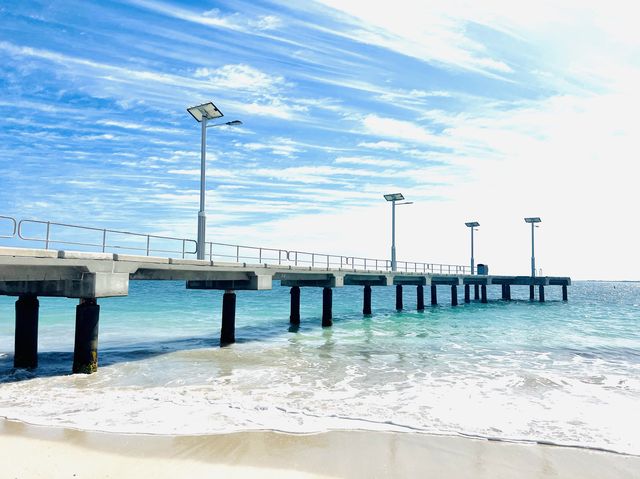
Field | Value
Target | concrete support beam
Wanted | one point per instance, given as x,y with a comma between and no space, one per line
85,351
565,294
476,292
541,293
294,318
26,337
420,297
366,306
532,295
434,295
399,305
228,329
483,289
467,293
327,307
454,295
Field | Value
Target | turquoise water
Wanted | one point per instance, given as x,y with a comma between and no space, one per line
566,373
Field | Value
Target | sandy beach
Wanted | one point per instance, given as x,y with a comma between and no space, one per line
64,453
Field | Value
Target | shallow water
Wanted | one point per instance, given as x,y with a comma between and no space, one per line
567,373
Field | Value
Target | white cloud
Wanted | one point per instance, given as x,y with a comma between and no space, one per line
241,77
371,162
393,128
381,145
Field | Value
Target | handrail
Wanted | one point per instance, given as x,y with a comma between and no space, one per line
225,251
14,229
104,244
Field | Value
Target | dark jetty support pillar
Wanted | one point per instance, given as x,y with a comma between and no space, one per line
26,338
85,351
483,289
420,297
541,292
454,295
399,305
476,292
507,290
504,291
294,318
532,295
327,307
228,329
467,293
366,306
565,295
434,295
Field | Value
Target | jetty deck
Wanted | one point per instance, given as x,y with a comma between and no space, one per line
30,273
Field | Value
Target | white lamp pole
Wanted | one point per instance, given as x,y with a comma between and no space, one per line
533,222
393,198
203,113
472,225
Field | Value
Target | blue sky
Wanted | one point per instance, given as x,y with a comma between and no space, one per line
489,112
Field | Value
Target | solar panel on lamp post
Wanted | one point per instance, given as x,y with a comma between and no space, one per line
472,225
533,221
202,114
393,198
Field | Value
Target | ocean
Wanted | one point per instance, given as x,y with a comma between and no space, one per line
559,372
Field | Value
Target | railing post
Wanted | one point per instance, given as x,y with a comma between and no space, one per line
104,240
184,241
237,254
296,262
279,257
46,242
328,261
353,262
210,251
148,241
365,263
341,262
260,255
313,259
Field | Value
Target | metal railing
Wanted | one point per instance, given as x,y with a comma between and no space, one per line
107,240
246,254
14,226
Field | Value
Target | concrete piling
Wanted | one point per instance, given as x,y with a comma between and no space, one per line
399,305
228,328
467,293
483,289
565,294
434,295
327,307
294,317
420,297
541,293
26,335
476,292
504,292
85,351
454,295
507,290
532,295
366,307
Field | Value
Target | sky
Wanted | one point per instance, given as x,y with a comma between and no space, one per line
488,111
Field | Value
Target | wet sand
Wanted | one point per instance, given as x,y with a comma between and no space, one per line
34,452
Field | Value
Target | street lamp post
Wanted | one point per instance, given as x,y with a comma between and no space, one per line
394,197
472,225
533,222
202,114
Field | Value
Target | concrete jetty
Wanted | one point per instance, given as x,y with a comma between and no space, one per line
31,273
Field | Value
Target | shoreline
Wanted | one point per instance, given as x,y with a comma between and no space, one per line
40,451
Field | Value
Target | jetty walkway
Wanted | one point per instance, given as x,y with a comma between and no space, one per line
29,273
